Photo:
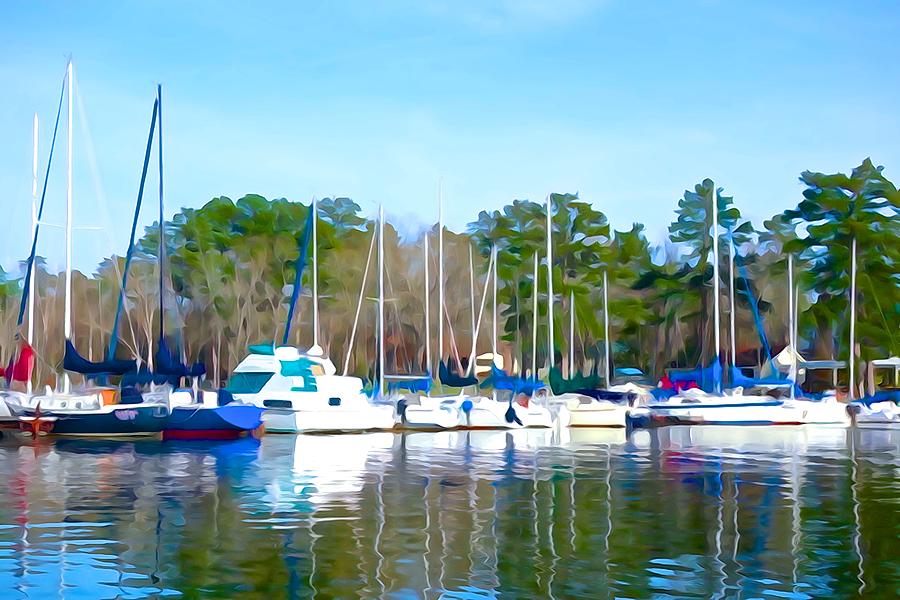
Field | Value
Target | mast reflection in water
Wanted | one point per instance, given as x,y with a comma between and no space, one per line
676,512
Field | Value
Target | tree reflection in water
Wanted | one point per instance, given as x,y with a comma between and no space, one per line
702,512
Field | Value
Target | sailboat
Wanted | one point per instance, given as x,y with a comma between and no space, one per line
93,410
301,391
200,415
513,403
579,400
424,411
718,407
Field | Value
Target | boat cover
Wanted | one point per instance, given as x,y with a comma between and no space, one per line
72,361
453,379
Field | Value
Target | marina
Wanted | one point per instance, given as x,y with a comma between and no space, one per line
708,512
460,301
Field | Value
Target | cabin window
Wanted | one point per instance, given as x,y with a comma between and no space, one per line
247,383
334,402
277,404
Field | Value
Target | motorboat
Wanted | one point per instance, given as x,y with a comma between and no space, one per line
301,392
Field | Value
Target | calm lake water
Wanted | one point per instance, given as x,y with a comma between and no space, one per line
672,513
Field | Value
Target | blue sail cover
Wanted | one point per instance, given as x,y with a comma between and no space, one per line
72,361
501,380
170,366
453,379
412,384
706,378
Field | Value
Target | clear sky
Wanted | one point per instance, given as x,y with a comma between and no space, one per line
626,102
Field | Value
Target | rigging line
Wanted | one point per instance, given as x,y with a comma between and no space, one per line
37,225
97,180
113,338
362,291
480,314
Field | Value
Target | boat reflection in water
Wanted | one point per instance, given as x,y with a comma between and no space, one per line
681,511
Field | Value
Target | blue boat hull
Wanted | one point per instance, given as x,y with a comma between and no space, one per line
212,422
126,420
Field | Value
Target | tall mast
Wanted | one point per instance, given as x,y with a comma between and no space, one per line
550,280
534,313
731,299
34,186
494,333
440,271
472,287
380,300
852,359
162,222
67,319
571,332
315,274
791,341
715,243
428,367
606,369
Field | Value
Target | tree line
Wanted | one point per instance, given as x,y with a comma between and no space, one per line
230,267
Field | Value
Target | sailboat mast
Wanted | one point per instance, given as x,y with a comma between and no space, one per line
606,369
494,333
715,245
34,186
852,358
440,271
67,319
428,366
791,341
472,287
550,281
315,274
162,226
731,299
380,300
571,332
534,315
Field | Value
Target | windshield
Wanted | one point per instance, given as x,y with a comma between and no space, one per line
247,383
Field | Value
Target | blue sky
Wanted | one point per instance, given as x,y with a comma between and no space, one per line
626,102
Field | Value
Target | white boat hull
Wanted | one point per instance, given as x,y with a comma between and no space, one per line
576,410
370,418
487,413
434,413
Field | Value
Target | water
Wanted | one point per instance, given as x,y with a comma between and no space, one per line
672,513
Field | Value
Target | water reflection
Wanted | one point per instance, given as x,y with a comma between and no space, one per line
706,512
